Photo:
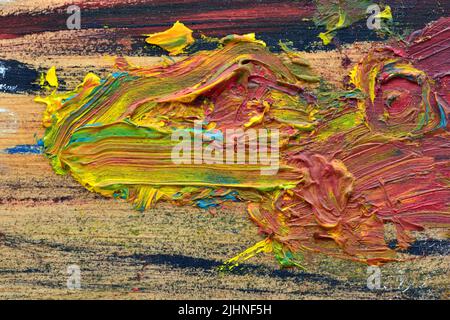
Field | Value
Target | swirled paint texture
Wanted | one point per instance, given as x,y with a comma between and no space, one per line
350,161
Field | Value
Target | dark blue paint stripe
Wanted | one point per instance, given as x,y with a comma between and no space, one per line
25,149
17,77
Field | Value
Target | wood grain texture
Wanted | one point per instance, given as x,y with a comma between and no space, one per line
48,222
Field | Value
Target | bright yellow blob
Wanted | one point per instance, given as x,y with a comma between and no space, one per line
174,40
49,80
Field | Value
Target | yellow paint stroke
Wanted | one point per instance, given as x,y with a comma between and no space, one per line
328,36
262,246
173,40
372,83
385,14
249,37
49,80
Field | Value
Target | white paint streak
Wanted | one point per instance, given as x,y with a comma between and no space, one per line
3,70
8,122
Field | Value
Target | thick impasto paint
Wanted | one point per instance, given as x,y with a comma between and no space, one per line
374,154
210,149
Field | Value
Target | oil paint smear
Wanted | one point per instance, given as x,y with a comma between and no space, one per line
174,40
351,161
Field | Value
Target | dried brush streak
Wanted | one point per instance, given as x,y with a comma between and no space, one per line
351,161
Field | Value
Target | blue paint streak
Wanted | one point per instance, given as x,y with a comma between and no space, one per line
443,123
207,203
215,202
26,149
